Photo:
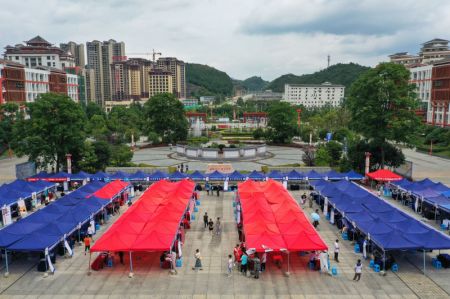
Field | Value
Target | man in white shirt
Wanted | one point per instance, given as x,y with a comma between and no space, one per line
336,251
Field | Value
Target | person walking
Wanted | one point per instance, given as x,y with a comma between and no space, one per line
237,254
87,244
336,251
263,261
256,266
230,265
244,262
205,219
207,187
217,190
310,201
218,226
210,225
198,260
358,271
121,257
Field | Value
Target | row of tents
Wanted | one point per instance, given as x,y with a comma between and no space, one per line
10,193
198,176
436,194
44,229
387,226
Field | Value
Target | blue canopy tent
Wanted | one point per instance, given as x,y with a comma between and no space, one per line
216,176
294,175
138,176
46,228
236,176
100,176
197,176
256,176
354,176
446,193
157,176
333,175
314,175
276,175
120,175
39,176
19,189
80,176
387,226
177,176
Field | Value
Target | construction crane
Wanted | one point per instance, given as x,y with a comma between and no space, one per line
153,54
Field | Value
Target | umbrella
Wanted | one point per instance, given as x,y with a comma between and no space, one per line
315,216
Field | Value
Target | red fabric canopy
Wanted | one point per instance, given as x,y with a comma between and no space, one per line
152,222
384,175
273,220
111,189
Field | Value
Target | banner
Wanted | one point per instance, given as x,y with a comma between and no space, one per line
223,168
6,215
325,206
225,185
180,254
22,207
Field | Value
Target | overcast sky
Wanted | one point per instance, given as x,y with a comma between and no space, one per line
242,37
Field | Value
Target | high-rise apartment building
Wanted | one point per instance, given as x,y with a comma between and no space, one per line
440,93
90,84
314,95
160,81
100,56
130,79
77,51
177,69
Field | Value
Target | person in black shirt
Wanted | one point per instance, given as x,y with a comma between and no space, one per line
205,219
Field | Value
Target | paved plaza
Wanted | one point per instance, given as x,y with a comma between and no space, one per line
150,281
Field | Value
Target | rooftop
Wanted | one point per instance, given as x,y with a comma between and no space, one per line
324,84
38,41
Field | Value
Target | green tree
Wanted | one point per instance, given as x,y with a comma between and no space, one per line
103,152
92,109
282,122
164,115
382,104
97,127
121,155
88,162
9,114
258,133
323,158
334,150
55,128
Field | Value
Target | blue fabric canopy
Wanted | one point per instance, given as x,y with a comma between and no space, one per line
256,176
158,175
197,176
20,189
80,176
389,227
177,176
333,175
294,175
46,227
276,175
352,175
216,176
236,176
100,176
314,175
120,175
138,176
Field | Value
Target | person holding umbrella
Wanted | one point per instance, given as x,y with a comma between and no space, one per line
316,218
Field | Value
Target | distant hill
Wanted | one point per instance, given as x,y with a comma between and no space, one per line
205,80
339,73
254,83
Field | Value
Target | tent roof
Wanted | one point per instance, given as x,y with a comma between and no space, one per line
176,176
384,175
158,175
295,175
272,219
314,175
197,175
353,175
138,176
111,190
276,175
216,176
257,176
152,222
333,175
236,176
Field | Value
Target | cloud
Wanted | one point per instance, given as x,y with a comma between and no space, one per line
267,38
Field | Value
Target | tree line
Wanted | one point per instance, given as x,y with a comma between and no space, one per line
54,125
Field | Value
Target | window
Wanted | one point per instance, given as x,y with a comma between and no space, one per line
17,57
48,57
437,83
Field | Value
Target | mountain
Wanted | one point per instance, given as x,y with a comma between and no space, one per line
341,73
205,80
254,83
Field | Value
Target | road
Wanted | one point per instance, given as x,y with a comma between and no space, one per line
426,166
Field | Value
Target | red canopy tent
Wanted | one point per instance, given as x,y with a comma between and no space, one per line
384,175
272,219
111,189
152,222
